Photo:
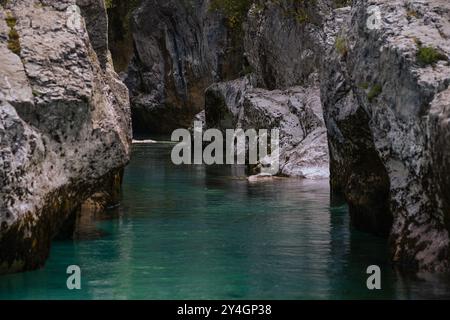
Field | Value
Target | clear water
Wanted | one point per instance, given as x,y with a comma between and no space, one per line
198,232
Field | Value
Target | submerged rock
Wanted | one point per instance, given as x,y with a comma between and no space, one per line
260,177
65,128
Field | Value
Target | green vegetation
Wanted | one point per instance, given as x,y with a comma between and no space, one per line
301,13
342,3
341,46
11,21
410,13
364,85
235,11
300,10
374,92
36,93
13,42
13,36
109,4
429,56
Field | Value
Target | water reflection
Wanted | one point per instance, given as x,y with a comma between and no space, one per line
205,232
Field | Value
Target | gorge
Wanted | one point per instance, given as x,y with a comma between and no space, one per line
359,91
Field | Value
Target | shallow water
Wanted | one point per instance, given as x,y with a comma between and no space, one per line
198,232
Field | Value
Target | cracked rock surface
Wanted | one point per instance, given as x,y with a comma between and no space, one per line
386,109
296,112
65,126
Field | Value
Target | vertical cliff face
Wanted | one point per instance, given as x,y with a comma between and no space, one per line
65,126
356,170
385,93
119,34
284,40
96,19
181,47
382,69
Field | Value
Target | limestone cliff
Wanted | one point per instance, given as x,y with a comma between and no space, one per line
386,101
65,126
296,112
383,72
181,47
283,92
383,69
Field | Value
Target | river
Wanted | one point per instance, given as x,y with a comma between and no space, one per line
205,232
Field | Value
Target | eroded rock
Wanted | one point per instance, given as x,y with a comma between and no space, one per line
181,47
296,112
386,112
65,126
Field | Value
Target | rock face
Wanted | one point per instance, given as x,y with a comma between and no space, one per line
383,71
96,19
65,126
282,91
386,100
283,41
181,47
296,112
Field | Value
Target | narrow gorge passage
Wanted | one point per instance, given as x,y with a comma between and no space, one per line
198,232
224,149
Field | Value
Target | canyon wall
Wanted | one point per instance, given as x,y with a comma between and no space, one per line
181,47
379,70
385,95
372,78
65,126
281,89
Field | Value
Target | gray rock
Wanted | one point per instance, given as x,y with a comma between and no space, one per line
94,13
386,110
284,41
283,44
181,47
65,128
296,112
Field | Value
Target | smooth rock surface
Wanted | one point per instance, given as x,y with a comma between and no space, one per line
296,113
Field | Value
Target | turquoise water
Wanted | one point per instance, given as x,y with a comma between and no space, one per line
198,232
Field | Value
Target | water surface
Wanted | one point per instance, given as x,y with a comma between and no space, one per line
199,232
